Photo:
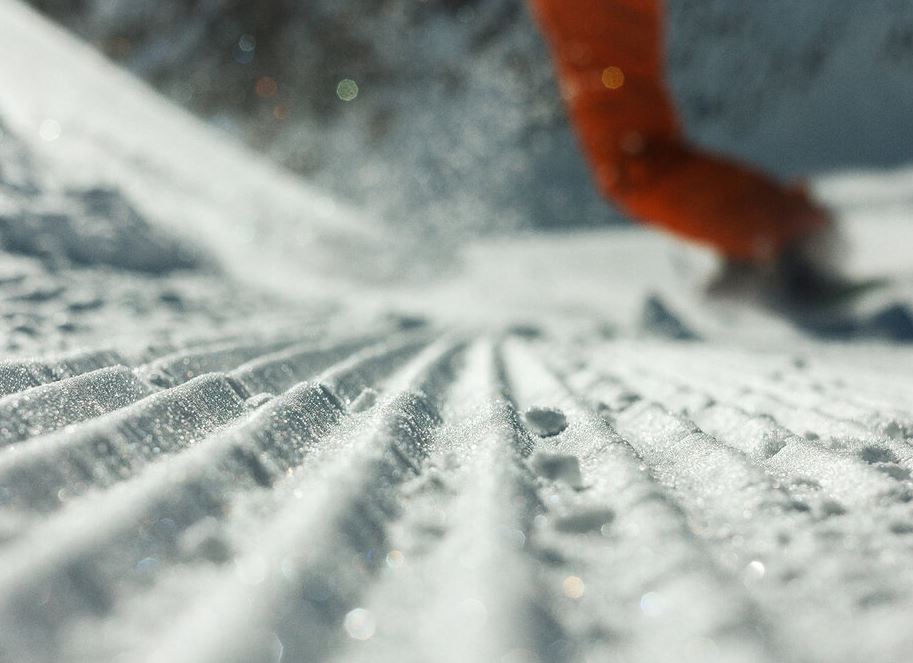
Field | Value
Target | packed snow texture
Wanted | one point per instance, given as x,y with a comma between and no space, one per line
225,437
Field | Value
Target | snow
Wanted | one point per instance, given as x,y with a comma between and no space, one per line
545,421
557,467
218,444
254,217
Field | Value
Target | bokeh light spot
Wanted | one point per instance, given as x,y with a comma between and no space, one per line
651,604
347,89
247,43
49,130
573,587
395,559
613,77
359,624
266,87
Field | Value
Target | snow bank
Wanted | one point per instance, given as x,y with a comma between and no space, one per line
91,125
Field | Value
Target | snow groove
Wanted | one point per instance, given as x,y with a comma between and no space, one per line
174,369
102,539
98,540
319,551
674,606
461,553
829,521
383,496
847,478
49,470
46,408
866,436
276,372
17,376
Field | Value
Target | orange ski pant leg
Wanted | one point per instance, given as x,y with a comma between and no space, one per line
609,58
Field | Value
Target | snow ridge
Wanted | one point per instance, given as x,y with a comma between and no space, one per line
195,522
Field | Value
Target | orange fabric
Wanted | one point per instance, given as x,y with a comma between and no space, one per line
609,57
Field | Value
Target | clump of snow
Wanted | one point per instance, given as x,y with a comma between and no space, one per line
557,467
205,540
875,454
526,330
366,399
658,319
545,421
257,400
585,520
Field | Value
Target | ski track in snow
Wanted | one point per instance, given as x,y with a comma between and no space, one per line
252,511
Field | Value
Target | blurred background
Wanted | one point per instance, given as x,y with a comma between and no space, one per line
442,116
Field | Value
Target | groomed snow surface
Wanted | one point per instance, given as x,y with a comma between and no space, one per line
558,451
378,496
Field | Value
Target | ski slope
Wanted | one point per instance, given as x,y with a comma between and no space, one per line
221,445
381,497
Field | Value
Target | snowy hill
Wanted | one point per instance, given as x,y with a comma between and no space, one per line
229,434
91,125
